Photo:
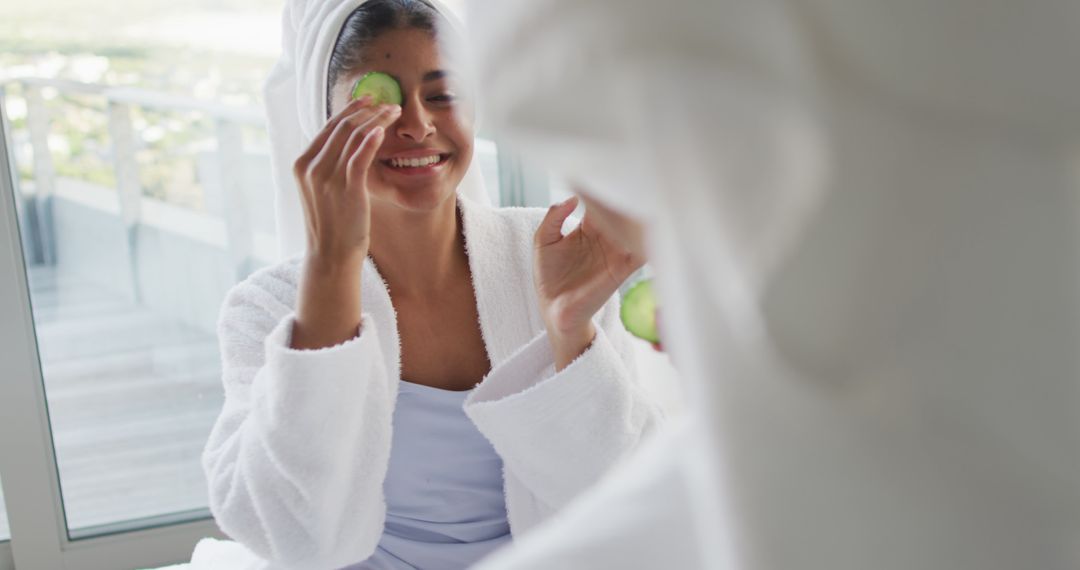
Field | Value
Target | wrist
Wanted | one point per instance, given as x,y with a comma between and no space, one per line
568,345
328,305
348,263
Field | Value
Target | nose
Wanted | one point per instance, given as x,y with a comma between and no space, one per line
414,123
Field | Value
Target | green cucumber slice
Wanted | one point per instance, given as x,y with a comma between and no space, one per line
638,311
382,88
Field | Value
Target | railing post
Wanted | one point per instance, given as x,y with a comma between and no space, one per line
31,247
230,149
128,188
37,122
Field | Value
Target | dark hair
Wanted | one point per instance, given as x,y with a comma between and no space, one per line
366,23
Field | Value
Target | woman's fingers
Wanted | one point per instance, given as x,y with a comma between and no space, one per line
550,230
320,139
386,116
360,160
624,259
329,158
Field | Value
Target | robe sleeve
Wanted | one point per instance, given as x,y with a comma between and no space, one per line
296,460
560,432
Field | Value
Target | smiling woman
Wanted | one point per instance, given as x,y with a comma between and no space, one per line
457,352
425,158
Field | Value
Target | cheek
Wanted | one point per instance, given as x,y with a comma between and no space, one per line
458,130
465,150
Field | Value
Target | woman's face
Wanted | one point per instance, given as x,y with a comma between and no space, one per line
431,122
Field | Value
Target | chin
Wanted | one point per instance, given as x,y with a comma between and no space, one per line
424,199
418,198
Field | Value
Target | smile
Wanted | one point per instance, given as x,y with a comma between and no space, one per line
416,162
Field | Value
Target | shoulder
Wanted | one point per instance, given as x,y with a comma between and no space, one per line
266,295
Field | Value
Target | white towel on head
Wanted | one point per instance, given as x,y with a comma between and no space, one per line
295,98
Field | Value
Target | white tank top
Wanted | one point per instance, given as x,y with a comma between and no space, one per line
444,486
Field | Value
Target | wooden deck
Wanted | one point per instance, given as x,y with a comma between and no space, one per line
131,398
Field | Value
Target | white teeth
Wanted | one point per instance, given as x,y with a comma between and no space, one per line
414,162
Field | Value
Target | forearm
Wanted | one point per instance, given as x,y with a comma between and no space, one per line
279,481
328,304
590,415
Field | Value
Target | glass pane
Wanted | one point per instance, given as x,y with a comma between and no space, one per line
142,197
5,531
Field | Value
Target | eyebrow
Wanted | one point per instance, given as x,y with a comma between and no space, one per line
434,75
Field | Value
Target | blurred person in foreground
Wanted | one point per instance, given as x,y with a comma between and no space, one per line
863,220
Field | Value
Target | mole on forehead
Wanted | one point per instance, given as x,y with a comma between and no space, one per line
370,58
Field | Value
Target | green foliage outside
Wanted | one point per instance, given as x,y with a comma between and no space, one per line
118,44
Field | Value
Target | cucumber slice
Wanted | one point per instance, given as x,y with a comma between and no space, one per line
382,88
638,311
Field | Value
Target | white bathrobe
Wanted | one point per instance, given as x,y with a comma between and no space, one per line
864,224
297,459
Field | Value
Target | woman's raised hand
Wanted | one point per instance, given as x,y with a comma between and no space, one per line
575,275
332,176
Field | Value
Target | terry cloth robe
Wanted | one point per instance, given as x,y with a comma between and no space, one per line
864,224
296,461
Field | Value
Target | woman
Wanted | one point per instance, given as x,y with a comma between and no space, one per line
432,376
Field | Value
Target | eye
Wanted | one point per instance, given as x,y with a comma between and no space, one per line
444,98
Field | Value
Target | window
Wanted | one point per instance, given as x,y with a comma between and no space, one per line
136,146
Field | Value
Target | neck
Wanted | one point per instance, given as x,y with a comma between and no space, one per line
418,253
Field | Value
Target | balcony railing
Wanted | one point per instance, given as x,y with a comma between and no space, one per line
227,225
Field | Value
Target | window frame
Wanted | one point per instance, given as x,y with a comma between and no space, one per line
6,562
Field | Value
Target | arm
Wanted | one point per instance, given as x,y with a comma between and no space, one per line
295,462
577,273
559,432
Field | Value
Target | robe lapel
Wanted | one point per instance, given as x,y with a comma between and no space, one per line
500,259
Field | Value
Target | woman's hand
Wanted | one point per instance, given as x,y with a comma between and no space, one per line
332,176
575,275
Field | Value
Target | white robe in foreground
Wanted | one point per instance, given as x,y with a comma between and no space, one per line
296,461
864,224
